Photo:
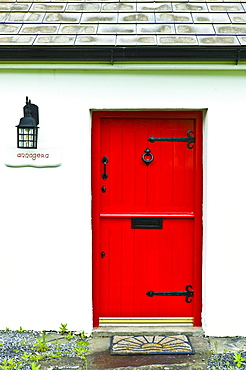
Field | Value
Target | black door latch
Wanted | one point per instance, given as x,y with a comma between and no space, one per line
188,294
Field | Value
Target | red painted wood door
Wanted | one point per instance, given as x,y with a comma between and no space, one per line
147,221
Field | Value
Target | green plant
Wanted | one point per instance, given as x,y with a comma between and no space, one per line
7,329
41,344
39,357
26,356
83,334
69,335
8,364
228,366
35,366
238,359
21,330
81,350
218,358
63,329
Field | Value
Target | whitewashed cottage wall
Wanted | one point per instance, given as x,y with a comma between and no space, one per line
45,229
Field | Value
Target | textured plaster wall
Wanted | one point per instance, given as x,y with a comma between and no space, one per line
45,228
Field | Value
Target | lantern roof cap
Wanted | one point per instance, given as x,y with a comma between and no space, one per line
27,122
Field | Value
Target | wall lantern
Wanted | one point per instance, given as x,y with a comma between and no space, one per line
27,130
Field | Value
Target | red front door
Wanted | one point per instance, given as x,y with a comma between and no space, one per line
147,198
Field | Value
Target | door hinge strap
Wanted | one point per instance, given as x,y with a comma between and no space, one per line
190,140
188,294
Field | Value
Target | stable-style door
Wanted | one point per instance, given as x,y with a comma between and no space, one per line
147,218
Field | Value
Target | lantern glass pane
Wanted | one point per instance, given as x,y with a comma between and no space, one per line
27,137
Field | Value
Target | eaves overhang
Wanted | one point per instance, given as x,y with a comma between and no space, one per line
112,54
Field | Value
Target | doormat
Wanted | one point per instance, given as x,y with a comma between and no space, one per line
151,345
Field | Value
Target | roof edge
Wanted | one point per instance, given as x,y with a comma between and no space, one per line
123,54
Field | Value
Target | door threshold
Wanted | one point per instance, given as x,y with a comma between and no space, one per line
146,321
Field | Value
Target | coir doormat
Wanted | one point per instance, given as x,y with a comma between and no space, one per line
151,345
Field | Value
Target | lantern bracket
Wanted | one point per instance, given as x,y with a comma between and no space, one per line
31,110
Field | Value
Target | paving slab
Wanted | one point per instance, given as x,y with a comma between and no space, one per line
64,363
227,344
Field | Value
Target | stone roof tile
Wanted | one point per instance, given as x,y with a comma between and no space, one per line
16,17
16,39
194,29
154,7
119,7
225,7
136,17
242,40
117,29
239,29
9,29
62,17
211,18
155,28
24,7
237,17
95,40
78,29
83,7
173,18
177,40
218,40
190,7
98,17
55,40
48,7
36,29
136,40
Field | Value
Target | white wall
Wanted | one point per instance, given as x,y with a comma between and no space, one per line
45,228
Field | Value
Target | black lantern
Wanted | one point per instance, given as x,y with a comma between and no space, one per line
27,130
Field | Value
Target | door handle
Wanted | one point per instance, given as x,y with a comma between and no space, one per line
147,157
103,254
105,161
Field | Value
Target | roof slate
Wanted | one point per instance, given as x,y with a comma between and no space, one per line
122,23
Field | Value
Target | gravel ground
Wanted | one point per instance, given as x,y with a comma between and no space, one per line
15,344
225,362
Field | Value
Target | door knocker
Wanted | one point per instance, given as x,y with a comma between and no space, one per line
147,157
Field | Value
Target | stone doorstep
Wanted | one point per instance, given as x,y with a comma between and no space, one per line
108,331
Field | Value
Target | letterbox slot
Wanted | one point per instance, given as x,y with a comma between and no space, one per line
147,223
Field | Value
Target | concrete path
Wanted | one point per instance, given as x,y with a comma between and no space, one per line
99,357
